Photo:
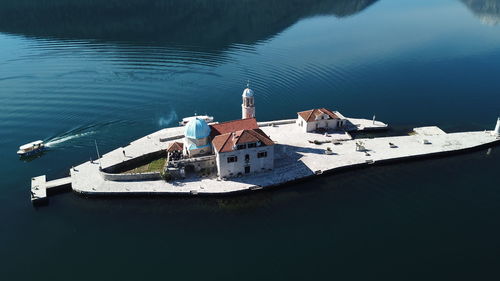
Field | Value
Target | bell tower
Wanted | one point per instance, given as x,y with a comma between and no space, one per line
248,105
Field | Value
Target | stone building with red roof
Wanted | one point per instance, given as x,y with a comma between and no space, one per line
320,119
241,148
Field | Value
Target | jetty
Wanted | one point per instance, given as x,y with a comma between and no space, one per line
40,185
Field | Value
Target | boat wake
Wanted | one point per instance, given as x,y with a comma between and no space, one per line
58,140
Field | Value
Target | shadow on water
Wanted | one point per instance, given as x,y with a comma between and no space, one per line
488,11
183,23
212,24
32,157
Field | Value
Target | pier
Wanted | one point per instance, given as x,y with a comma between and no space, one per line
40,186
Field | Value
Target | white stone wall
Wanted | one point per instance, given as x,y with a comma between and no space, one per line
131,177
199,163
198,142
247,111
204,164
227,170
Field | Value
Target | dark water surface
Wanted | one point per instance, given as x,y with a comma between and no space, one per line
72,71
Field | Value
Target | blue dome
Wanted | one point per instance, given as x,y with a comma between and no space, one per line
247,93
197,129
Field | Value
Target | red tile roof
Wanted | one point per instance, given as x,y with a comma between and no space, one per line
227,142
175,146
310,115
233,126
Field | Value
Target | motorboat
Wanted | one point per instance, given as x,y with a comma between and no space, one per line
31,148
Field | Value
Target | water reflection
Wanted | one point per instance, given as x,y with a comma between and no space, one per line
211,24
488,11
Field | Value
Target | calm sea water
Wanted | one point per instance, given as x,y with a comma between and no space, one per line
73,71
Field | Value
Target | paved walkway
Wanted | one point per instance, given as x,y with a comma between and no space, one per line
296,158
154,142
357,124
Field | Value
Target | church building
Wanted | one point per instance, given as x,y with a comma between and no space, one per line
197,138
239,146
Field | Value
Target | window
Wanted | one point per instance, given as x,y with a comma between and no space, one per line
262,154
241,146
252,145
232,159
247,158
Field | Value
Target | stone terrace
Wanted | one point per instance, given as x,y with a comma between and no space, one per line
296,158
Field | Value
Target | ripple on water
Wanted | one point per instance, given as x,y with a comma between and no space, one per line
75,82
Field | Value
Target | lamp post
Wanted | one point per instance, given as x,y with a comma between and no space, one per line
98,155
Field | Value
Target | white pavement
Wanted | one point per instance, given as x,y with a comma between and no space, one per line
154,142
295,158
365,124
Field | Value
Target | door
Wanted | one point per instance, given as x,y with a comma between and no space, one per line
247,169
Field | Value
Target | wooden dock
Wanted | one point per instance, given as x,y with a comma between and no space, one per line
40,185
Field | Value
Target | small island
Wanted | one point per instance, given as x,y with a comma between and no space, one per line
212,158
